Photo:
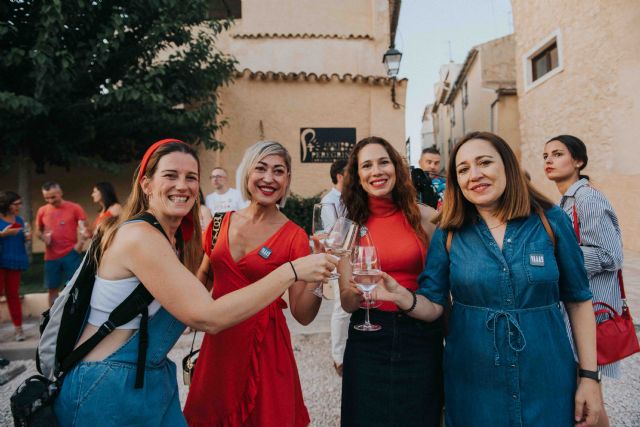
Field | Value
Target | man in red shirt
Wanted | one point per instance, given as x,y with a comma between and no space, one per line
57,225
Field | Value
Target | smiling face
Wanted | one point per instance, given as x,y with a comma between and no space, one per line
559,165
480,173
173,188
376,171
268,180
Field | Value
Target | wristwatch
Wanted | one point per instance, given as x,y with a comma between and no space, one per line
594,375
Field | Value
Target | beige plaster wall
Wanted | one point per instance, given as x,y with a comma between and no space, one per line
506,119
326,46
498,62
596,97
284,107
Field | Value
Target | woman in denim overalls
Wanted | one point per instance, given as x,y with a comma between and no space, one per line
99,391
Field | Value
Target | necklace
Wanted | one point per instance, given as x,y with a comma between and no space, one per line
496,226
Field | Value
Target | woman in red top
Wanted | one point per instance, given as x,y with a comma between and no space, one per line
247,374
392,376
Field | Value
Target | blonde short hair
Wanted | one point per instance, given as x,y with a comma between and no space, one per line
256,153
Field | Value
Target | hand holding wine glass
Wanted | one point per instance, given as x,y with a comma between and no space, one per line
325,216
366,274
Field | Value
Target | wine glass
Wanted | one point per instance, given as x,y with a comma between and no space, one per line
366,273
341,239
325,216
364,239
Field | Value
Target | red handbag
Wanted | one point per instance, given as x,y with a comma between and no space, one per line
615,333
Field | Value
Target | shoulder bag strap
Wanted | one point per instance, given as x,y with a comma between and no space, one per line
577,231
215,231
547,226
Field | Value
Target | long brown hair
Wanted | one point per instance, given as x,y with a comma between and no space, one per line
356,199
137,204
519,199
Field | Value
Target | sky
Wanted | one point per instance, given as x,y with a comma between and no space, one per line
430,33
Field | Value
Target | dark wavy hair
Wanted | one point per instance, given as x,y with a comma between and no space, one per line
577,149
6,199
520,199
107,193
403,194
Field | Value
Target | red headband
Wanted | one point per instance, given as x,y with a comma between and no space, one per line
186,225
151,150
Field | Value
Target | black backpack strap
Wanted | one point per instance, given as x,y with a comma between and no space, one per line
136,303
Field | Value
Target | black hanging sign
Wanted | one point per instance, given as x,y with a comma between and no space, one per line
325,145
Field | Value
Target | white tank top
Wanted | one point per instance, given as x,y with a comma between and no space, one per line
108,294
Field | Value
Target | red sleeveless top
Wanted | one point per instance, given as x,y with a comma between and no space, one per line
247,375
401,253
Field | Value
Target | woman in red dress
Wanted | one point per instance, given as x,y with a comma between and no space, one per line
247,374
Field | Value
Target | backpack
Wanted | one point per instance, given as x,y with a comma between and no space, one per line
60,330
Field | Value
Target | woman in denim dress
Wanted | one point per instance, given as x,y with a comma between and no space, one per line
507,361
99,391
595,223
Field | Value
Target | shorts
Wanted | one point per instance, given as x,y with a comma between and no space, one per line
57,270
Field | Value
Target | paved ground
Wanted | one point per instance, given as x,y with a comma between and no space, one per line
321,386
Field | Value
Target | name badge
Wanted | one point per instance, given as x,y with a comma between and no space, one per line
265,252
537,260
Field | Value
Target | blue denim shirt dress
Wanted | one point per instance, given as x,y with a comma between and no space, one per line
507,360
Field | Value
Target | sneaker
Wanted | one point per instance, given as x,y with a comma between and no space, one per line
20,336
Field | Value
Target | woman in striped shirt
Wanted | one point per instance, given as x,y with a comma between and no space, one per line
598,232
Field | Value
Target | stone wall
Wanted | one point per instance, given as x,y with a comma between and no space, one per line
595,97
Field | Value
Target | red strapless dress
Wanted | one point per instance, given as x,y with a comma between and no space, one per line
247,375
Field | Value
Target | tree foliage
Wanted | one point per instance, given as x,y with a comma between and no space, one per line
99,80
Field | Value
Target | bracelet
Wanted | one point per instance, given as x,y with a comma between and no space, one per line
294,271
413,305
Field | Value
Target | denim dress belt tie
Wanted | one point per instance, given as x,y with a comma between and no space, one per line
511,325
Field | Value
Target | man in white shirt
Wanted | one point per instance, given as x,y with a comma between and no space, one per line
339,317
223,198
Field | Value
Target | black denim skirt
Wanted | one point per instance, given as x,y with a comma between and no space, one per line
393,377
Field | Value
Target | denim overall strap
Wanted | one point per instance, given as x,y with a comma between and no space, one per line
163,332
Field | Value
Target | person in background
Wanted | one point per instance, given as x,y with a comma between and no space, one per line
430,164
104,195
99,391
247,375
223,198
391,377
339,317
57,225
507,357
203,210
13,255
595,223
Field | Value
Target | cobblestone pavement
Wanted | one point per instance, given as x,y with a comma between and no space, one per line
321,385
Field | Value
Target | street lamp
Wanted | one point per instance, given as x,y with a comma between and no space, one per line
391,60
